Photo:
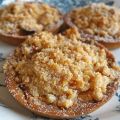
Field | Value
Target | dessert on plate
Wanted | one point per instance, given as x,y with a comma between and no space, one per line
61,76
97,21
20,19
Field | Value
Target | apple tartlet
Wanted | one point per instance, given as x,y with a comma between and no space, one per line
61,76
98,21
19,20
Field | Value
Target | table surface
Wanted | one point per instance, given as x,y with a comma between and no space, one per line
11,110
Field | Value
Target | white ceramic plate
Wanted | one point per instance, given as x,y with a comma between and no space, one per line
11,110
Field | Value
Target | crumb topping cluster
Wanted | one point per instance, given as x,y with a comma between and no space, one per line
56,69
97,19
25,18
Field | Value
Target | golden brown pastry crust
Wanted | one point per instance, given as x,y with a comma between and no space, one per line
11,39
107,42
17,40
54,112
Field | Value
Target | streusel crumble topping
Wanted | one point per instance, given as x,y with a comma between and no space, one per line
97,19
56,69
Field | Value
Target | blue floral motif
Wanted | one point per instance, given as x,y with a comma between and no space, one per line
110,3
66,5
118,95
1,57
118,62
118,107
86,117
1,1
3,105
1,54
